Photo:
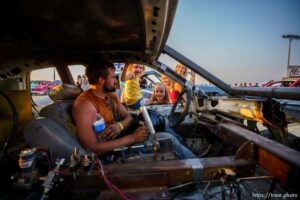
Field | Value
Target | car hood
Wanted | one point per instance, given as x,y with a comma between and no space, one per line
76,30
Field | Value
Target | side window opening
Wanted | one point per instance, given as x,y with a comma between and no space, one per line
41,82
79,77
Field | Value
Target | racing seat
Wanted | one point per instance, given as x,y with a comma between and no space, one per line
55,128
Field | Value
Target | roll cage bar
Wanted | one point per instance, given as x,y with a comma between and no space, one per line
281,93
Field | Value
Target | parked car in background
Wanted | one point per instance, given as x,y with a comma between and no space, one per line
40,86
288,82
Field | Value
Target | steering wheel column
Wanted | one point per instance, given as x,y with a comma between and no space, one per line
176,118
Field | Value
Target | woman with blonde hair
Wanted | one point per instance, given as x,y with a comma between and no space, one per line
169,83
182,71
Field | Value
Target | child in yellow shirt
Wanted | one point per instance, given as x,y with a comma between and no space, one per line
132,94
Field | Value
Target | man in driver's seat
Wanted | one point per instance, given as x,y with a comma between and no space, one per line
101,99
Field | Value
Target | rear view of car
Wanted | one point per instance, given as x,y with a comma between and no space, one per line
40,87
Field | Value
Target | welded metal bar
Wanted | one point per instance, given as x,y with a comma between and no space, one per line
279,160
286,154
159,173
168,71
270,92
196,68
283,93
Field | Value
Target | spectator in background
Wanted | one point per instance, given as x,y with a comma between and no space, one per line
181,70
85,84
79,81
256,85
118,88
193,77
159,95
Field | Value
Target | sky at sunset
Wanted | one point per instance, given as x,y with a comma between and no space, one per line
238,41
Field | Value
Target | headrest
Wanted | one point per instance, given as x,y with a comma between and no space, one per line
64,91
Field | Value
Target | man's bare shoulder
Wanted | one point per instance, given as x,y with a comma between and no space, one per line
83,106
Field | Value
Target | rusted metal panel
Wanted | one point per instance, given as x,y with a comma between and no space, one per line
159,173
281,161
140,180
274,165
284,153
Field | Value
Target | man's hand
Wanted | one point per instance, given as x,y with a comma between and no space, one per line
111,132
140,134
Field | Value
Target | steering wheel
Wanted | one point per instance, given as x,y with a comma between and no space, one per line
176,118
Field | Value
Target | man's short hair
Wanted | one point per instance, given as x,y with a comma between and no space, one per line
96,69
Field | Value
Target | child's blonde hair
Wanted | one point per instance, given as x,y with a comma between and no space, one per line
153,96
130,68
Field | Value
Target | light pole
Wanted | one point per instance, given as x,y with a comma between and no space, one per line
290,37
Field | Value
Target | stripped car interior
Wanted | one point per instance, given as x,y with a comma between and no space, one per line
221,130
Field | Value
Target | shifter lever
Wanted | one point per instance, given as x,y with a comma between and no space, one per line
147,119
149,124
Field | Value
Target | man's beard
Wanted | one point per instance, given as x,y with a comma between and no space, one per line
109,89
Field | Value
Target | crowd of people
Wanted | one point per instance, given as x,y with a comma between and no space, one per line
244,84
82,82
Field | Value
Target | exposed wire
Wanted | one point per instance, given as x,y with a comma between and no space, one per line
180,186
111,186
209,181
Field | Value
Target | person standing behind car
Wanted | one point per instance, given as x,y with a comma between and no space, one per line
169,83
85,84
132,94
193,77
182,71
79,81
159,95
